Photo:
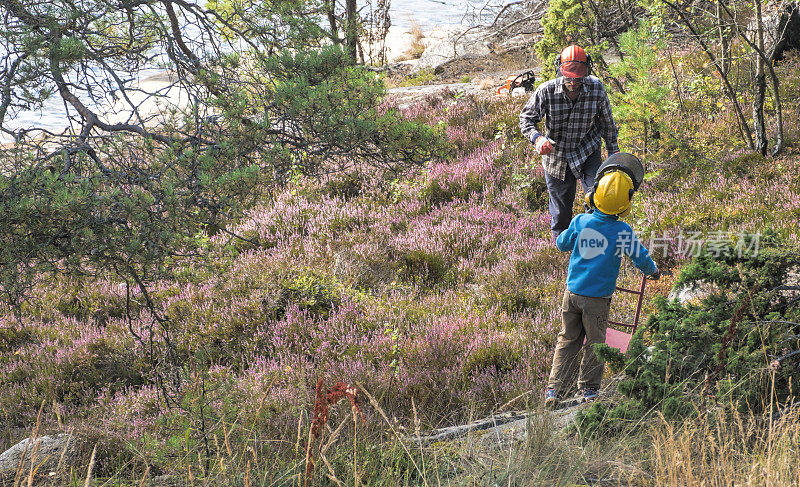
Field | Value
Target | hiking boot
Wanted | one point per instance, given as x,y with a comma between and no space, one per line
550,399
589,394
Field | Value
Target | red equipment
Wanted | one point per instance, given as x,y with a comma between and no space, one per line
525,80
620,339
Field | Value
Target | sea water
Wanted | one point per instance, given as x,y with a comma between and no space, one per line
404,14
429,14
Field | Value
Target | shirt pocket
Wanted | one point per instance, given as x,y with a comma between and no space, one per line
583,113
559,120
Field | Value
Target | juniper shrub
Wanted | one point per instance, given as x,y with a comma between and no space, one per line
717,352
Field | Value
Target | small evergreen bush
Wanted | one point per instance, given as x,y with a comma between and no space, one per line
640,110
717,352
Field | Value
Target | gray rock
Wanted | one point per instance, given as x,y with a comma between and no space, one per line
504,429
695,293
48,453
690,294
516,43
454,43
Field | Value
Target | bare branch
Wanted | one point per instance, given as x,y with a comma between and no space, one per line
730,92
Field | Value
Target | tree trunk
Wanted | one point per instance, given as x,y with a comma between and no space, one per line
351,29
767,59
761,86
779,109
330,11
759,128
724,40
723,30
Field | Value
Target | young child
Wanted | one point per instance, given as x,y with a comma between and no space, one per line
598,240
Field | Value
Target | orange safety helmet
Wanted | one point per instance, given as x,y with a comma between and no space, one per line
573,62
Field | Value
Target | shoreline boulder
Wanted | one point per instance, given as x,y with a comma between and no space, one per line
452,43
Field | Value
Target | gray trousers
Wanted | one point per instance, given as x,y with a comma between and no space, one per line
582,317
561,194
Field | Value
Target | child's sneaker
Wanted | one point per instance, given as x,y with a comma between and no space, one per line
550,398
589,394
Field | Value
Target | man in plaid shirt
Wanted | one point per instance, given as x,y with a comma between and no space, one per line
577,114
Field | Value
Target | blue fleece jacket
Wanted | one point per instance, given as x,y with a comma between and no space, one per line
598,242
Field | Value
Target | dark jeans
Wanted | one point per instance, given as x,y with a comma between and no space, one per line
562,193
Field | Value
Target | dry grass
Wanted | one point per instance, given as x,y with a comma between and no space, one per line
417,46
488,83
717,448
728,449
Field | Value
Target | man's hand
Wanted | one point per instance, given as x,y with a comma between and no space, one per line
543,145
655,276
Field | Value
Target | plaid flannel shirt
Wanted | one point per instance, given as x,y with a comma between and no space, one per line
575,127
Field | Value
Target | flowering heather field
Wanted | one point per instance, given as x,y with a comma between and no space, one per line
435,290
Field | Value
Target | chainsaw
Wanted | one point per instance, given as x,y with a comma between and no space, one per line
525,80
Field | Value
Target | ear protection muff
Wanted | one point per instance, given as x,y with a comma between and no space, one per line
557,65
588,200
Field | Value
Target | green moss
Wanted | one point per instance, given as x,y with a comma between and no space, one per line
744,165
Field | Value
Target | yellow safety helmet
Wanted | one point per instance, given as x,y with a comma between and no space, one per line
613,194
